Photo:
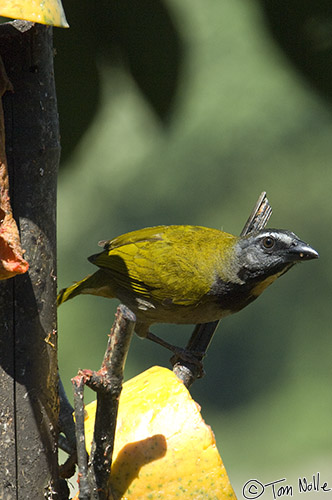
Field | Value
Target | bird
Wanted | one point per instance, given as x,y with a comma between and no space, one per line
187,274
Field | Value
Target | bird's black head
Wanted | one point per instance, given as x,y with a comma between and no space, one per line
270,252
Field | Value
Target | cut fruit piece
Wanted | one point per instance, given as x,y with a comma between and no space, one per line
163,448
44,12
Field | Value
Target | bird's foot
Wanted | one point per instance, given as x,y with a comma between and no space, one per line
186,355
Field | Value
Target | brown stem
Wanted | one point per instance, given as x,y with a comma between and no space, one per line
107,382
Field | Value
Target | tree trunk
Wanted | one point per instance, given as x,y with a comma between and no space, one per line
28,336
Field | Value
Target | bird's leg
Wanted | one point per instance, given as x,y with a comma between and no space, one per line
194,357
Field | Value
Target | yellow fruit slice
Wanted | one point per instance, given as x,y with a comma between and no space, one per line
163,448
39,11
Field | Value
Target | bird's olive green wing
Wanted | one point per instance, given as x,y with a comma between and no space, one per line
148,234
167,264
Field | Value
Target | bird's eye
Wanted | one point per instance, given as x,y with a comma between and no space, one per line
268,242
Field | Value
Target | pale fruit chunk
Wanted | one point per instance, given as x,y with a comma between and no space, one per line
38,11
163,448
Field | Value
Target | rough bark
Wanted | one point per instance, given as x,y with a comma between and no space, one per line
28,340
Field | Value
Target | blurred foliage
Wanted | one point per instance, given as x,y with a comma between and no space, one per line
303,29
183,112
139,35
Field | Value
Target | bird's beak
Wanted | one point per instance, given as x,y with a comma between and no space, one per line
302,251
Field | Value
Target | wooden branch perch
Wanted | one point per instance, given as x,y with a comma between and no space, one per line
107,382
28,330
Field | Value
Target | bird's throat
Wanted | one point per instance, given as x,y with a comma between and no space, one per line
260,287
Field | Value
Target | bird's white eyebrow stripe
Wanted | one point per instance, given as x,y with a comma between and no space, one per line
286,238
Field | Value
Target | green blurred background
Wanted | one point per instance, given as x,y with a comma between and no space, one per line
180,112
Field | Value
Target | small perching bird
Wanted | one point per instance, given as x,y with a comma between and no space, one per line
189,274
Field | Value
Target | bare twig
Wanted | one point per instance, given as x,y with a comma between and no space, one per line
82,458
203,333
107,382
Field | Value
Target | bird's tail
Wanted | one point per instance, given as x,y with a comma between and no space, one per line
71,292
94,284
